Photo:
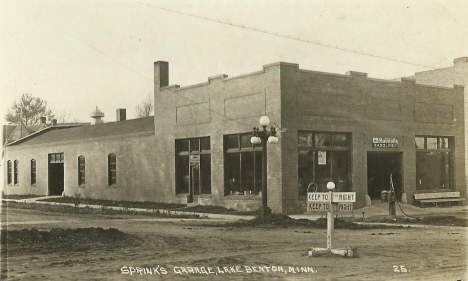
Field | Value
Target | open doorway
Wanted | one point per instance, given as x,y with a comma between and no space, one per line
56,174
381,166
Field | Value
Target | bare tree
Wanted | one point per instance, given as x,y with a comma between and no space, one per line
145,108
28,110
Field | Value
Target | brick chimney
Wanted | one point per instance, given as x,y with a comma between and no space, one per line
460,60
121,114
161,75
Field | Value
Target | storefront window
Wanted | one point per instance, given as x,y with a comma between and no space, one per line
434,164
243,166
322,160
193,166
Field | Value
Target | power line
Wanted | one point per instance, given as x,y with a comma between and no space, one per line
286,36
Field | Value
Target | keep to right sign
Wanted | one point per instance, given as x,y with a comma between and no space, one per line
321,206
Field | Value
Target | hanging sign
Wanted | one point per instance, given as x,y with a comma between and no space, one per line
385,142
322,158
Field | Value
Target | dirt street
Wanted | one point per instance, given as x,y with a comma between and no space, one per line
149,248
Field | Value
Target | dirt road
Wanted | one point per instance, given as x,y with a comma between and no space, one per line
181,249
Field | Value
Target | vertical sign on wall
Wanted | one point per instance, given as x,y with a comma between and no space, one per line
322,158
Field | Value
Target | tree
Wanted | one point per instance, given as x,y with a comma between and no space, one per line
29,110
145,108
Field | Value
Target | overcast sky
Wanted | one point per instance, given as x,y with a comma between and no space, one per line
80,54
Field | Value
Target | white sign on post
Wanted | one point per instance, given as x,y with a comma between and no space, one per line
340,197
318,196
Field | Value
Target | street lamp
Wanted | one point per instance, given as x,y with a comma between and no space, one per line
263,137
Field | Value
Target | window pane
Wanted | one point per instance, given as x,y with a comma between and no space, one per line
183,178
233,173
431,143
444,143
322,140
305,139
183,145
306,172
419,142
434,171
232,142
205,144
247,172
195,145
339,163
421,168
340,140
205,170
445,179
195,184
245,141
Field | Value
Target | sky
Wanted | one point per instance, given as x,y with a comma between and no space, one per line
77,55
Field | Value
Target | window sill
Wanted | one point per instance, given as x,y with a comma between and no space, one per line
84,185
199,196
33,185
112,186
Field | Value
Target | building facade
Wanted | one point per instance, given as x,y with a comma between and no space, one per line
363,134
456,74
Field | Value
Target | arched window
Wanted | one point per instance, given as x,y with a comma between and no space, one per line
81,170
33,171
112,169
10,172
15,172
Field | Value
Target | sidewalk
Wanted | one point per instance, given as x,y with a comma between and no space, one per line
220,217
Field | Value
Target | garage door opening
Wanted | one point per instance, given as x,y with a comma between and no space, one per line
381,166
56,174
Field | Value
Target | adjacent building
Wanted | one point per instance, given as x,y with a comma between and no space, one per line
361,133
456,74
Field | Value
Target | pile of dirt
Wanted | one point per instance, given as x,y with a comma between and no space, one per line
285,221
63,240
431,220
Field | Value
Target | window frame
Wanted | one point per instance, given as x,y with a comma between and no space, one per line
187,151
16,172
111,159
33,172
81,172
311,146
9,172
254,149
426,151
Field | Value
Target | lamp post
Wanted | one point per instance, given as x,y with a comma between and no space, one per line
263,137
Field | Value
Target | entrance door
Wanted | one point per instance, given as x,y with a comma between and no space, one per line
56,174
380,166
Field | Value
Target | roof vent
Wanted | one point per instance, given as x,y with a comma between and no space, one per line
97,115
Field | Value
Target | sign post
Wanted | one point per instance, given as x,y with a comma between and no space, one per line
329,201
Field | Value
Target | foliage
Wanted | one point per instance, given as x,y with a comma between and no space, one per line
29,110
145,108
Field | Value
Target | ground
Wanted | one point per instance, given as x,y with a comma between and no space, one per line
56,246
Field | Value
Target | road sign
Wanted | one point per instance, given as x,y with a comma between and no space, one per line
342,197
323,206
318,197
318,206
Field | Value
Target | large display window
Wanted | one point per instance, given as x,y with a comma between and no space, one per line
323,157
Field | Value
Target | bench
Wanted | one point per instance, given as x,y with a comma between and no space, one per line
439,197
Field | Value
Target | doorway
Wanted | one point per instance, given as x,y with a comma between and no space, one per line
383,167
56,174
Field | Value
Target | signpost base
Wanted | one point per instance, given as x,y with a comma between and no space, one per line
315,252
